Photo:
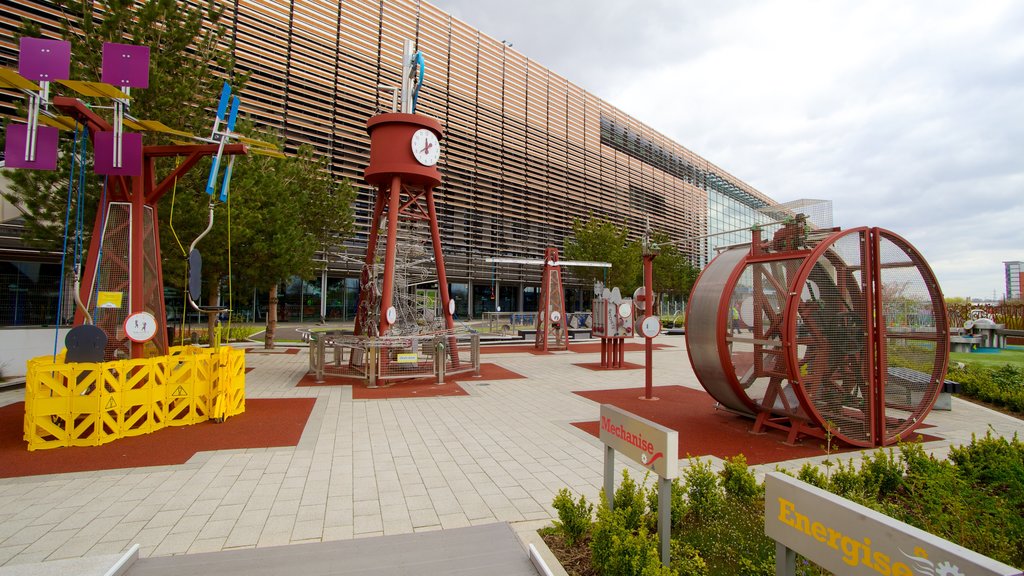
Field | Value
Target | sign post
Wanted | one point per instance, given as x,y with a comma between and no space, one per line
654,447
846,538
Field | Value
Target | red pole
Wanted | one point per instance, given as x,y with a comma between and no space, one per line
137,256
388,284
364,275
648,312
442,278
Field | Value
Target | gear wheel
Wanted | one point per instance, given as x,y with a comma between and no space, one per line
947,569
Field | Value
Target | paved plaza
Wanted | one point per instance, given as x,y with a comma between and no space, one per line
365,468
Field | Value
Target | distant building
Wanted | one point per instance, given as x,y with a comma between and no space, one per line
1014,279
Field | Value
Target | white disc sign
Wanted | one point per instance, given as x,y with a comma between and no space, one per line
140,327
391,315
556,316
451,306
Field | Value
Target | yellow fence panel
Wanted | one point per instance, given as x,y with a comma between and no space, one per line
88,404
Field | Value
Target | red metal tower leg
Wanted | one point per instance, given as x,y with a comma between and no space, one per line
371,251
388,282
442,278
137,252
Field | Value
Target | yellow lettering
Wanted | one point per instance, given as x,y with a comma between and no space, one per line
818,531
867,553
802,523
832,537
882,563
851,550
901,569
785,508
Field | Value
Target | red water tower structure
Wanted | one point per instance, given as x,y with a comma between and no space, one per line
404,150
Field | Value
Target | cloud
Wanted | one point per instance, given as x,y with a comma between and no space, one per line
909,115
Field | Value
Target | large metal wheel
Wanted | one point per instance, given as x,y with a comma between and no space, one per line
843,332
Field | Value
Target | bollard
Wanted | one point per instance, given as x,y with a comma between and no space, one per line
474,348
371,365
439,361
319,343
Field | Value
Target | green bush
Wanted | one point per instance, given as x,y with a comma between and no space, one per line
813,475
881,474
739,481
1003,386
573,517
975,499
703,496
620,542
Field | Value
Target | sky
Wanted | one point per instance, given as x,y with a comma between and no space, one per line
908,115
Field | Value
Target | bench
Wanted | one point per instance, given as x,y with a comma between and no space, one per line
914,382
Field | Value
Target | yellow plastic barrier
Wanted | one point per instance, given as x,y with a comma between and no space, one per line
88,404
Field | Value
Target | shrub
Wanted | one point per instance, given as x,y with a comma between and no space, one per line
620,542
881,474
630,502
702,493
573,517
739,481
813,475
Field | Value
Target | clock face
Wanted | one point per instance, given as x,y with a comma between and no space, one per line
625,310
425,147
650,326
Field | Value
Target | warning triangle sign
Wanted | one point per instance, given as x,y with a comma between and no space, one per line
110,404
179,392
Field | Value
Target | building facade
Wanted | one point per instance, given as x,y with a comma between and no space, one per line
1014,279
525,151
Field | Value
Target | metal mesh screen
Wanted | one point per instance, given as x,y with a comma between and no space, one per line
113,276
755,325
152,287
914,360
832,349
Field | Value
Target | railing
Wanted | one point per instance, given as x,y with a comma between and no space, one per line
88,404
333,353
508,322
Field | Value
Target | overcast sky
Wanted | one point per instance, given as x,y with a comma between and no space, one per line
908,115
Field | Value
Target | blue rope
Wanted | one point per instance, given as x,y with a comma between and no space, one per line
99,253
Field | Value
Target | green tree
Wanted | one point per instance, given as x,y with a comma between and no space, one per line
602,241
191,53
285,211
673,273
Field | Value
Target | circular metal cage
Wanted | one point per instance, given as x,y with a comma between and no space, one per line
842,332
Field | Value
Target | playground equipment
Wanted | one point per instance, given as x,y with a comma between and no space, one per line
817,346
394,338
118,378
613,323
551,328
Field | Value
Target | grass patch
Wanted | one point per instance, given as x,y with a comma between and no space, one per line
1012,356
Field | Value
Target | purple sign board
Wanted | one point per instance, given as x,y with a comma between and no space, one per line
44,60
125,65
46,147
131,154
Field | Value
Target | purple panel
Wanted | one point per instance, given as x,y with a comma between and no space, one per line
46,147
125,65
131,154
44,60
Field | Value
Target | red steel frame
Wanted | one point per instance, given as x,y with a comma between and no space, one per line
804,419
551,280
140,191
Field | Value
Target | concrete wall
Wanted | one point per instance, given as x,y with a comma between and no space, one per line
19,345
